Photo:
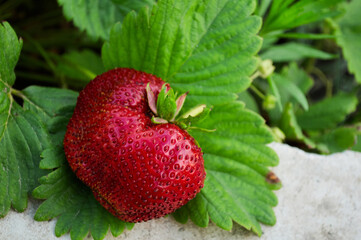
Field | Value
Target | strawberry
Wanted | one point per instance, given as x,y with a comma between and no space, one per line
123,141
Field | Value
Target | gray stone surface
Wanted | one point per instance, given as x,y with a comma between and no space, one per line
320,199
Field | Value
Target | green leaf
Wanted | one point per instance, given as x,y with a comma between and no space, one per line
97,17
21,144
74,205
82,66
298,77
293,83
293,52
181,215
291,13
328,112
262,7
290,127
305,36
10,47
49,104
275,92
71,201
46,101
52,157
291,89
207,48
197,209
349,37
22,135
249,101
236,161
337,140
204,47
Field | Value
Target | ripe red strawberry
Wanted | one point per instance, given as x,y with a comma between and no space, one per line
137,169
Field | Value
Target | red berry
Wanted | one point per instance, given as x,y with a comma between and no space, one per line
136,169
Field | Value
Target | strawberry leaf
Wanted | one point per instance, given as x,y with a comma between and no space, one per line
328,112
23,139
291,128
349,38
69,199
204,47
47,101
293,84
80,66
22,135
97,16
74,205
236,159
207,48
66,197
10,47
249,100
337,140
294,51
289,14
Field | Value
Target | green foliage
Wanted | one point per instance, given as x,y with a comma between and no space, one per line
236,160
305,36
285,87
328,112
211,57
292,84
297,77
47,102
22,135
312,127
290,14
276,94
72,202
81,66
21,143
236,157
337,140
289,52
10,47
97,17
66,197
289,125
204,47
349,37
282,16
249,101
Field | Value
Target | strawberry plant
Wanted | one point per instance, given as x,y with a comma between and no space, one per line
199,75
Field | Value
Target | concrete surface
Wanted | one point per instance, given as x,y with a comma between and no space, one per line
320,199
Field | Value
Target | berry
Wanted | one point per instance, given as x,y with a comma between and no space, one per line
137,169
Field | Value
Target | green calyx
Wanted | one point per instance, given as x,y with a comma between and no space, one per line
168,105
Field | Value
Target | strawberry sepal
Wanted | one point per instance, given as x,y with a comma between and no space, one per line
167,106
